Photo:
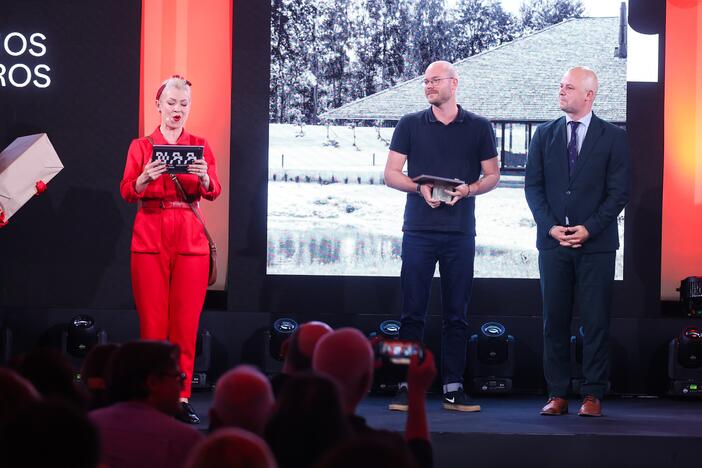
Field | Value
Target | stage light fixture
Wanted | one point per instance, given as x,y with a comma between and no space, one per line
691,296
685,363
491,357
690,348
386,378
203,353
80,336
390,329
280,331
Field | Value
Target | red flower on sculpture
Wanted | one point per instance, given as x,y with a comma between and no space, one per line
41,187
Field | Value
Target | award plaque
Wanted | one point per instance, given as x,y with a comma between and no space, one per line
439,185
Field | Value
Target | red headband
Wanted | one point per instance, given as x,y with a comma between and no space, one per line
163,86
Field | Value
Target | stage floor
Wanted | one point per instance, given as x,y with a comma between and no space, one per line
635,431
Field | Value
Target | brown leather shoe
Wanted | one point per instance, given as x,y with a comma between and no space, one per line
555,406
592,407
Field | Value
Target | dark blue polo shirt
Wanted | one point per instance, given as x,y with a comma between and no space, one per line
453,151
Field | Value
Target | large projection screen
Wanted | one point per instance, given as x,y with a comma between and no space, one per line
344,71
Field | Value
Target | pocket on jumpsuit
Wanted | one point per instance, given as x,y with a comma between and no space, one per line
192,239
146,237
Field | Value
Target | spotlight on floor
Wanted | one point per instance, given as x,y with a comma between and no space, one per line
390,329
280,331
80,335
203,359
491,355
387,330
386,378
691,296
685,363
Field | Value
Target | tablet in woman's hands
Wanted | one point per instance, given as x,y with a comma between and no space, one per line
176,157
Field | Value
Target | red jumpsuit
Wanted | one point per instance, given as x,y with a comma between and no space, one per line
170,253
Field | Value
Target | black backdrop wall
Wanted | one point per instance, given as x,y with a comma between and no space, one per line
68,251
70,246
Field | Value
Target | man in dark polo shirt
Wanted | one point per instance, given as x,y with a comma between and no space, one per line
450,142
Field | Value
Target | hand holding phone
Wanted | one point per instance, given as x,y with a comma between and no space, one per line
421,374
400,352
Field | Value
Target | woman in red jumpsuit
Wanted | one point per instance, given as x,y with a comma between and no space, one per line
170,253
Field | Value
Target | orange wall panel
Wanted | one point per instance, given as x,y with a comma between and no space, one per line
681,249
194,39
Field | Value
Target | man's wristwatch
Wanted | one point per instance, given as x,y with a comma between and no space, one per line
419,188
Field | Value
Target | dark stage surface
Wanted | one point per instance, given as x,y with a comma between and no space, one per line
509,431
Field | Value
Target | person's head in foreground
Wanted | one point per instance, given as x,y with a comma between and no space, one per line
147,371
376,451
300,347
52,375
231,447
94,373
16,393
346,356
308,420
50,433
243,398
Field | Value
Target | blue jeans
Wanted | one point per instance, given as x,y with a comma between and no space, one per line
455,253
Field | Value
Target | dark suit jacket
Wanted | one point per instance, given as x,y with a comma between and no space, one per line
595,195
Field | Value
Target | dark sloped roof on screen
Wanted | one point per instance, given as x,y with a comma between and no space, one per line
517,81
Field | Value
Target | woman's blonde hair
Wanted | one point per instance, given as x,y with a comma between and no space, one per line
175,81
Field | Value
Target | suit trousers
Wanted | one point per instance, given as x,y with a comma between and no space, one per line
455,253
569,277
169,291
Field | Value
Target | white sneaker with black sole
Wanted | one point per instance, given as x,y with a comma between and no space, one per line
459,401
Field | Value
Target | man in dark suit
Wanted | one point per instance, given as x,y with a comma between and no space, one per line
576,185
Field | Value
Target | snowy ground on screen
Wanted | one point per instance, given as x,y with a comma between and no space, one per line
355,229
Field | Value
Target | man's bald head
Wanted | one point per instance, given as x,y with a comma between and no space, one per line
346,356
587,77
16,393
232,447
440,84
578,90
301,346
442,67
243,398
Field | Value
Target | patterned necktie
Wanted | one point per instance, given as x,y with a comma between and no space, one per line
573,147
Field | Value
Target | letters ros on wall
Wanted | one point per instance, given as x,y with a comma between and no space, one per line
22,60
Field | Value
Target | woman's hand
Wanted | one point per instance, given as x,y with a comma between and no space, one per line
199,168
151,172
